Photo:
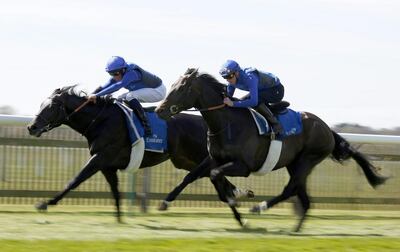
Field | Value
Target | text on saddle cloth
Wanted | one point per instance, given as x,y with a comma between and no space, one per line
157,142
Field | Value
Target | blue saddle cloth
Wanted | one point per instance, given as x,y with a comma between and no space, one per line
261,122
291,122
289,119
157,142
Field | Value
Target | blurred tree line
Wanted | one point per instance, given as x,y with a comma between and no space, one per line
360,129
7,110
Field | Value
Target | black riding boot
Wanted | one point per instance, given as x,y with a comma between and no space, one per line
139,111
264,111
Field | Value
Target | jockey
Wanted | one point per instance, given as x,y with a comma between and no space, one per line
142,86
263,88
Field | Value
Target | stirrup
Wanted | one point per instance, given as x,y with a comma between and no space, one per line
273,135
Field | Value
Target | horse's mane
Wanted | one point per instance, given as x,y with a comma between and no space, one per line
71,90
212,82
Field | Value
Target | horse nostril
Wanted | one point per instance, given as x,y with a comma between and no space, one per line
31,127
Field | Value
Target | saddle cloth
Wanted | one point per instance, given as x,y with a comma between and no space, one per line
157,142
289,119
291,124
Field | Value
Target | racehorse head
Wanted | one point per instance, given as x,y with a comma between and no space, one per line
193,89
53,111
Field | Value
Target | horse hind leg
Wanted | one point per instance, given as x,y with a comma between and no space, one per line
296,186
306,167
291,189
302,206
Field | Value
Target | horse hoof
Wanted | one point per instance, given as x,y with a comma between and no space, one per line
250,194
255,210
163,206
245,223
41,206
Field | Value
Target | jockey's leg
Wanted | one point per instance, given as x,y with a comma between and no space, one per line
266,112
141,114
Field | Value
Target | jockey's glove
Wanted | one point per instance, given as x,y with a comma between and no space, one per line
108,98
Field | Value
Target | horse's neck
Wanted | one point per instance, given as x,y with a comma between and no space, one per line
217,120
81,120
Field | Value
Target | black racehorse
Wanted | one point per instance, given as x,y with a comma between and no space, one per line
236,148
103,125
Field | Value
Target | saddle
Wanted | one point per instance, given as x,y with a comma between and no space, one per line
278,107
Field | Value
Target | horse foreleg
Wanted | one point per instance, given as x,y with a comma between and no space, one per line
198,172
217,178
234,169
112,179
88,170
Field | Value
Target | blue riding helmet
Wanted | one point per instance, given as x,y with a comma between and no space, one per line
115,63
229,67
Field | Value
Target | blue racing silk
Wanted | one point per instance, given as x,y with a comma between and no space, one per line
134,78
254,81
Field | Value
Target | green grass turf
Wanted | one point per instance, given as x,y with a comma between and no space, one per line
73,228
205,245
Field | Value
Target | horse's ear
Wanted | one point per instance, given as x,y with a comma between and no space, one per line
57,91
191,71
58,97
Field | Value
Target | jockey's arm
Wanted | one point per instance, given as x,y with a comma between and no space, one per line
108,88
112,88
252,98
230,90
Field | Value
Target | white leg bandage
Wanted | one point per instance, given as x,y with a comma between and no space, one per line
239,193
263,205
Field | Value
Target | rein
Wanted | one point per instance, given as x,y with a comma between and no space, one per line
213,107
68,117
77,109
94,120
209,108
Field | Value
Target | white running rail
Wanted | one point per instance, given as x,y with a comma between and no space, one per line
354,138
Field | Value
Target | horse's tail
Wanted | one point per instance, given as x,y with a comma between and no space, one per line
343,151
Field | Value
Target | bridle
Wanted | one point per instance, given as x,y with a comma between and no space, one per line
175,108
49,125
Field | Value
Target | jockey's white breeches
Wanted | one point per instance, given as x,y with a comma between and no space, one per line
146,94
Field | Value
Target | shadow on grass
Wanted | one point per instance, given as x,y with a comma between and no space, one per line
331,235
218,229
264,216
169,228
